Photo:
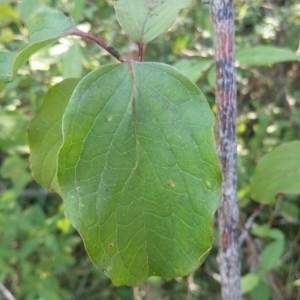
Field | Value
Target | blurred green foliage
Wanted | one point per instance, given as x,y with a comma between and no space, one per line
42,257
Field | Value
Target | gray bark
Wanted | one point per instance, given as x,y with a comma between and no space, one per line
228,215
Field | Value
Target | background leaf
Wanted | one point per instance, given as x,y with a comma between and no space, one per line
270,257
277,172
193,68
45,134
48,24
144,20
265,56
261,291
28,8
6,62
290,211
44,28
249,282
139,172
72,61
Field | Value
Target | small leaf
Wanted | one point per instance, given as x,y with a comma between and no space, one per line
271,255
144,20
261,230
249,282
265,56
44,28
45,134
266,232
290,211
278,172
193,68
138,171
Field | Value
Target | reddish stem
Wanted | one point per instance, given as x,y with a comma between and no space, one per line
141,52
110,49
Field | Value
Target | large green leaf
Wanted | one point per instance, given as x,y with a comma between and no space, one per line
265,56
138,171
44,28
144,20
277,172
45,134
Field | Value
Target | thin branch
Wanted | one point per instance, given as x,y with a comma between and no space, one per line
141,52
275,286
249,224
7,295
193,288
137,293
228,215
110,49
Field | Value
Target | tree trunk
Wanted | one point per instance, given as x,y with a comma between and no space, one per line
229,259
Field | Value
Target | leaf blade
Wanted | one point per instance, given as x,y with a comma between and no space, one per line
127,160
277,173
45,134
144,20
265,56
44,27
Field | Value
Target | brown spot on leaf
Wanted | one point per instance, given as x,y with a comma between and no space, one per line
171,184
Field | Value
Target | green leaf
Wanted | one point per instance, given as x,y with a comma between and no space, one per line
193,68
278,172
45,134
48,24
138,171
144,20
6,62
261,291
249,282
271,255
44,28
27,8
78,10
265,56
267,232
72,67
290,211
261,230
